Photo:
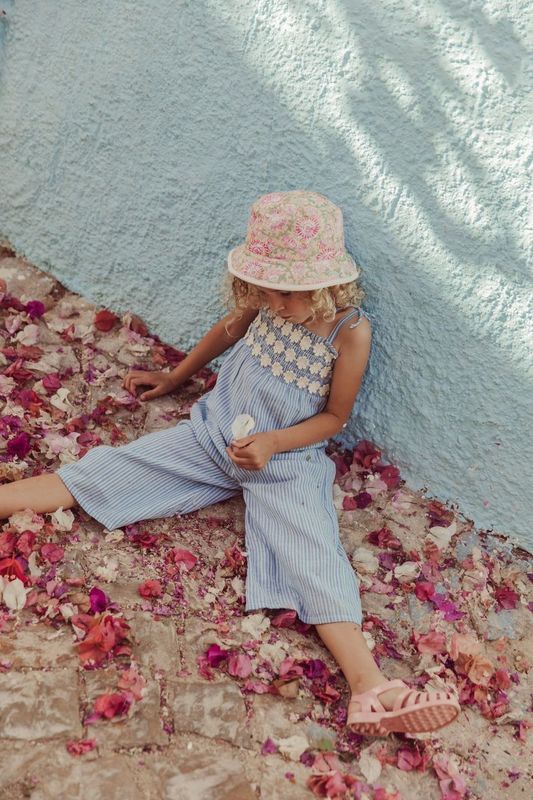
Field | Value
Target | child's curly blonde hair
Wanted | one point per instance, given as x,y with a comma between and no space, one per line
239,295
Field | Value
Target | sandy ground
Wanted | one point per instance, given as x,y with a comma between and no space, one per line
127,666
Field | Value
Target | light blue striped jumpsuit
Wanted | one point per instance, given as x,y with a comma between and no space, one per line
279,373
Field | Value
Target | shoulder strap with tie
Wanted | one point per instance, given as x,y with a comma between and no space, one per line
350,315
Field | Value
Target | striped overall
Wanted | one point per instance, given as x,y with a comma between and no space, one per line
279,373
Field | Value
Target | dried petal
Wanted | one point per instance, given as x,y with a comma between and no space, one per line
433,642
105,320
52,552
14,594
184,557
80,747
151,588
99,600
239,665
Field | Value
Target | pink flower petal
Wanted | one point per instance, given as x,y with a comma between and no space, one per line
52,552
424,590
239,665
78,748
433,642
184,557
506,597
284,619
151,588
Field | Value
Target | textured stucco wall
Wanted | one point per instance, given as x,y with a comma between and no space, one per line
133,137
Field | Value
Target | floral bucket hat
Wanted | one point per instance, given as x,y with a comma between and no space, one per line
294,242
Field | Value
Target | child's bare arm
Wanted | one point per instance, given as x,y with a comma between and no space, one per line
350,365
222,335
216,341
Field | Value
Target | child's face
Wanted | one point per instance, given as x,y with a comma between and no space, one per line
294,306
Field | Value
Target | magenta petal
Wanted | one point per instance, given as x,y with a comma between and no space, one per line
91,718
19,445
391,476
268,747
314,668
363,499
35,309
424,590
215,655
99,600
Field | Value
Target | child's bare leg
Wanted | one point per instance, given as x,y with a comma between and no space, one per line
348,646
41,493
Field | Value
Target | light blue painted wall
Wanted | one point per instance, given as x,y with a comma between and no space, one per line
134,136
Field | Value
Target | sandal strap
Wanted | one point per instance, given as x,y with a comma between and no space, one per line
369,700
408,698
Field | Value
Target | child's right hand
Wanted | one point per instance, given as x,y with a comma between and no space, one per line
161,381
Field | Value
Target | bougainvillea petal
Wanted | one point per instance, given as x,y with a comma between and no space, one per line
240,665
13,594
433,642
19,445
506,597
183,557
268,747
215,655
384,538
132,682
150,588
52,552
99,600
105,320
7,543
26,542
349,503
116,704
10,567
35,309
78,748
424,590
284,619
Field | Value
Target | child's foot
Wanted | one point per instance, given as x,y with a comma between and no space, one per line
392,706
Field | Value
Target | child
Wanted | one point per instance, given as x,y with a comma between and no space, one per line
300,349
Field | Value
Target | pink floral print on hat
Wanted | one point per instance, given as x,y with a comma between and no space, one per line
294,242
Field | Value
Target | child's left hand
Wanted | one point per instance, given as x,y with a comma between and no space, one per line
252,452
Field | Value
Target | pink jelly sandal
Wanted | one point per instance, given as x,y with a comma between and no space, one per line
412,712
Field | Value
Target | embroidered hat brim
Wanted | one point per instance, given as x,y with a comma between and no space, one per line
294,242
290,276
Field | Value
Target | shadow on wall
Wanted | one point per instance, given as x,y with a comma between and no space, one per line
5,8
404,154
396,276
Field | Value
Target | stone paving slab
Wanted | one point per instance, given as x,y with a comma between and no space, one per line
38,647
109,777
39,705
214,710
157,645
